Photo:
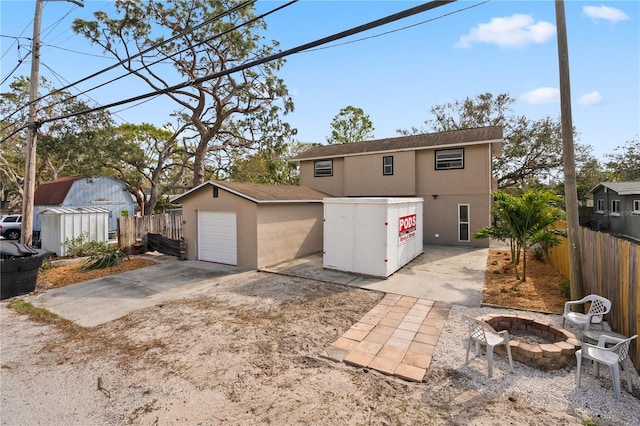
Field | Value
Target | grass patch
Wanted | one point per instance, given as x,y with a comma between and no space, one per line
44,316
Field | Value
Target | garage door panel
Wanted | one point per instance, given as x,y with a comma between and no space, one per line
217,239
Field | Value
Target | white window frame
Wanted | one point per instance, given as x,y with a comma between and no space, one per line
615,208
449,159
387,165
600,205
323,168
636,206
467,222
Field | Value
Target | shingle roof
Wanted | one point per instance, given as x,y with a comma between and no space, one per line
403,143
622,188
262,193
53,193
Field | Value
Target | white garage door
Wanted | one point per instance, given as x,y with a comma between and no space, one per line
217,240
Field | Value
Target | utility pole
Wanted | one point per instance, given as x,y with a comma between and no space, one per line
29,185
568,158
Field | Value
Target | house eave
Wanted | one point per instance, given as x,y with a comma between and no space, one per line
420,148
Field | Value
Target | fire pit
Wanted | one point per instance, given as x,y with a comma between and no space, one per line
535,343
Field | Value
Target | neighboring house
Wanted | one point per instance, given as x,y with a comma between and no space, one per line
251,225
616,207
452,171
81,191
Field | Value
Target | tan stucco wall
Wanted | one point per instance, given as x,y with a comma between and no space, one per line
475,178
441,217
332,185
363,175
246,222
288,231
471,185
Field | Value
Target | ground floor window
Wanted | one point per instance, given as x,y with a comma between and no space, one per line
615,207
463,222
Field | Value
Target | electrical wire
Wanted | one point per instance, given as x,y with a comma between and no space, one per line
401,28
355,30
373,24
149,49
257,18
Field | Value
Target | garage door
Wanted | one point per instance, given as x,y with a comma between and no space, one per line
217,240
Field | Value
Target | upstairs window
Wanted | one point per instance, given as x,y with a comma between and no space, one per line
615,207
387,165
323,168
448,159
600,205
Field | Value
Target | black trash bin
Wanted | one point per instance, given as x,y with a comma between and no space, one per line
19,265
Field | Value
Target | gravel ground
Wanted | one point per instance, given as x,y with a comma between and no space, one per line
249,351
548,390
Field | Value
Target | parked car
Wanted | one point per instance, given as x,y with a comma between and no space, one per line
11,226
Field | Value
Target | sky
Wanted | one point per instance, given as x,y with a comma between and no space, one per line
394,73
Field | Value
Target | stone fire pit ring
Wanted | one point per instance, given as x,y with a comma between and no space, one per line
558,353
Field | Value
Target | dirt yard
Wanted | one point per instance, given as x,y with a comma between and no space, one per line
248,351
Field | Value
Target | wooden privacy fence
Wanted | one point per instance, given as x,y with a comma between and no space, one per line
610,269
135,228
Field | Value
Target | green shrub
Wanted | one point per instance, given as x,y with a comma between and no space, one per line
566,287
538,254
104,259
81,246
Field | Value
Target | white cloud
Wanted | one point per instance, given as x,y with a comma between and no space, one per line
543,95
605,12
513,31
592,98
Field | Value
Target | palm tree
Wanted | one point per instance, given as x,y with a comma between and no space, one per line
524,221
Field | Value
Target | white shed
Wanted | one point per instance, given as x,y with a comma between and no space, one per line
61,224
372,236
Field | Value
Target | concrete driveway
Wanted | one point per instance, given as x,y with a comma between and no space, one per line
447,274
453,275
101,300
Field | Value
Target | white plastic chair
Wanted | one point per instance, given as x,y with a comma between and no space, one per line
597,308
483,334
612,357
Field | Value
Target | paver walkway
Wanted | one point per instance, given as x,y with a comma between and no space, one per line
397,337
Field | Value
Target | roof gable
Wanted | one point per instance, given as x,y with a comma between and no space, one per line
53,193
262,193
492,134
622,188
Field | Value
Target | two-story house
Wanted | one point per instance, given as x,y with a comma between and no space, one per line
616,207
452,171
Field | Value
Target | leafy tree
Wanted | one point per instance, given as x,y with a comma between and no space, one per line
588,176
209,39
524,221
350,125
63,147
149,160
269,165
267,162
624,165
532,149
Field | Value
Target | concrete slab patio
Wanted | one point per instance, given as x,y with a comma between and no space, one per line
449,274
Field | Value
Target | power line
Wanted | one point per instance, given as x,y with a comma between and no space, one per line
373,24
464,9
141,53
307,46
